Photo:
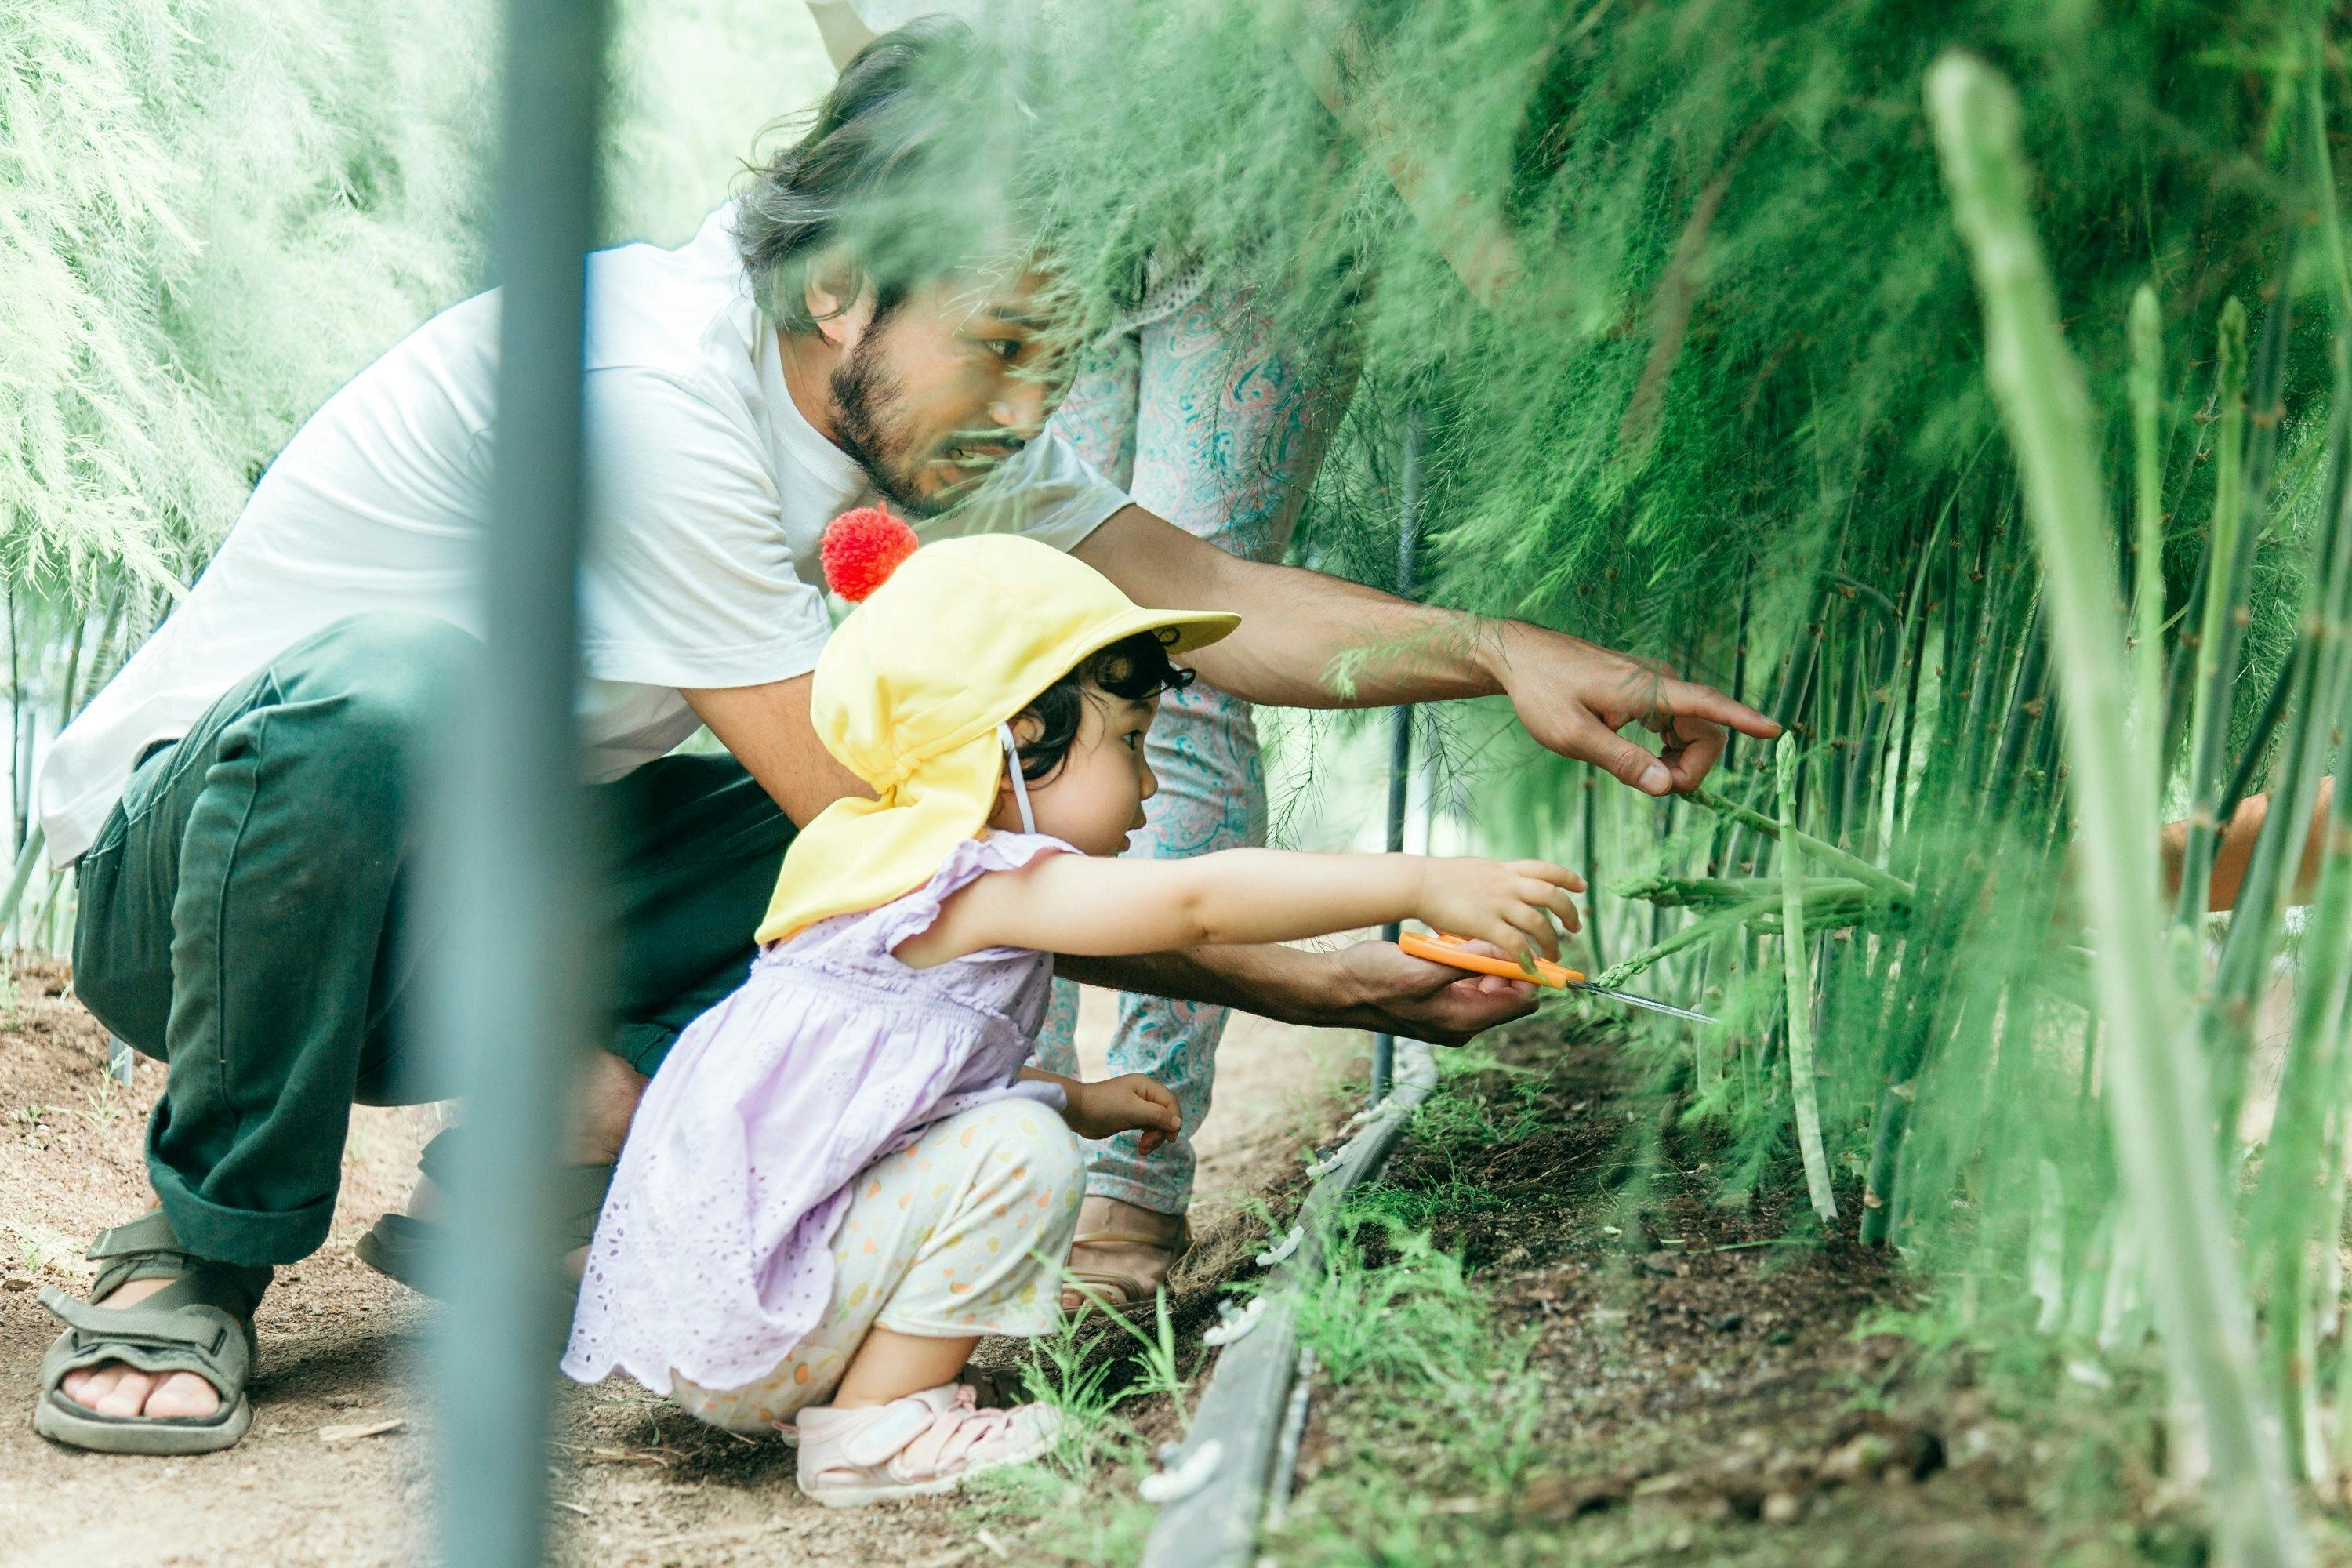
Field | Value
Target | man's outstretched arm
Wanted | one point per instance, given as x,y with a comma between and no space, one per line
1307,640
1370,985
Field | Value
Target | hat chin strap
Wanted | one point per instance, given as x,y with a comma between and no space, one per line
1013,771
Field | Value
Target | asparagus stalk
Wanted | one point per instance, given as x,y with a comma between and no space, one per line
2148,556
1854,865
2217,634
2154,1089
1715,924
1797,968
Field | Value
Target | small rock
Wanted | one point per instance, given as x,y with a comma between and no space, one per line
15,1282
1660,1485
1781,1508
1858,1461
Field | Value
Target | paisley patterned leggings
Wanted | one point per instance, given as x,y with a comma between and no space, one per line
1206,425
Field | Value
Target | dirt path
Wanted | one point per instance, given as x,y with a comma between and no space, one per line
339,1345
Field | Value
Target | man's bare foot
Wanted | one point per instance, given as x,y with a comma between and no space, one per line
425,1202
609,1090
111,1388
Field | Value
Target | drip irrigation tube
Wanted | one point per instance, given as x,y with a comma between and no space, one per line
1236,1459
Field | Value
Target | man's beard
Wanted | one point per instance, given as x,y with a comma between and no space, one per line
863,394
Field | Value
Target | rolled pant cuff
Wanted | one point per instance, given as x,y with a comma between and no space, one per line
240,1235
1165,1198
644,1047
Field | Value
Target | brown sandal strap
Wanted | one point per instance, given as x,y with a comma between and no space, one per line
1115,1292
1128,1238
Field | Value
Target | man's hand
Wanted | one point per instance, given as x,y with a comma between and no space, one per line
1574,696
1396,993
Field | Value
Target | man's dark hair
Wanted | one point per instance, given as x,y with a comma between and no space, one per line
1135,668
895,176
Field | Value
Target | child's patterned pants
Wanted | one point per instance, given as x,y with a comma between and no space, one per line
1203,421
964,1232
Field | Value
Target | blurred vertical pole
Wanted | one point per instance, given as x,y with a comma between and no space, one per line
513,992
1401,721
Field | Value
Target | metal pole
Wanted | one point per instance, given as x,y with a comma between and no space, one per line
513,991
1400,721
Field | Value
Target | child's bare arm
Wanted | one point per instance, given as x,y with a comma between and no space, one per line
1090,907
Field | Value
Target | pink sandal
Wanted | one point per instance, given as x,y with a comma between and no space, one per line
927,1442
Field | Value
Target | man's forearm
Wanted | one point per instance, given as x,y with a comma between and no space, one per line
1311,641
1370,985
1289,985
1306,640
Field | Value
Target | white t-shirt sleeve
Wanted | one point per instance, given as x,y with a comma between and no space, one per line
1046,491
690,580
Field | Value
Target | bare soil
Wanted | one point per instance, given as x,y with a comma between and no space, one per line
337,1469
1717,1391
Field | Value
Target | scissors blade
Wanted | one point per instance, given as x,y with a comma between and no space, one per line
1655,1006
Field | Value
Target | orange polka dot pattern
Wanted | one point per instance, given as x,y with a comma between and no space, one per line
962,1232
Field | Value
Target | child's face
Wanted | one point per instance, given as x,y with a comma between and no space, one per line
1094,799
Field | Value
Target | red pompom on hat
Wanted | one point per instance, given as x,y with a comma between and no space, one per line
861,548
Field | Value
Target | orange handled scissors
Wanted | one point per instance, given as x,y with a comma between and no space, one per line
1443,947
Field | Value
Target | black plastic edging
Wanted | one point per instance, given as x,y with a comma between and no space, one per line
1229,1454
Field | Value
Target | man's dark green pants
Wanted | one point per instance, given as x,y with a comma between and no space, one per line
247,916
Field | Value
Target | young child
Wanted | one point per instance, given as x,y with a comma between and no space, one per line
844,1175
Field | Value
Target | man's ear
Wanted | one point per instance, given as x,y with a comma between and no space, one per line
840,302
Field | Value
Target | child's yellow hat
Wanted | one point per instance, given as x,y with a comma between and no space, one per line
908,694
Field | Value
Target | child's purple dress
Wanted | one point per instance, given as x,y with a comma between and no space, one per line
713,1256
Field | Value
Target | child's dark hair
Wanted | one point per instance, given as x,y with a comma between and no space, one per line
1135,668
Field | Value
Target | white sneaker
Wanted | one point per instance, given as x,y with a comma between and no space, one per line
925,1443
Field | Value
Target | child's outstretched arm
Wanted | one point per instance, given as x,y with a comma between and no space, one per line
1092,906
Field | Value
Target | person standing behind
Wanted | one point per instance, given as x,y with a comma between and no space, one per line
1192,406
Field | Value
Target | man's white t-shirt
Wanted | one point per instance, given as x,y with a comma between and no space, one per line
710,493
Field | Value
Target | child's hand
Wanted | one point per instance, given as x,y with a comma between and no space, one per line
1509,903
1128,1103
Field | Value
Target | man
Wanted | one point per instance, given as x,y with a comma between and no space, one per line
239,797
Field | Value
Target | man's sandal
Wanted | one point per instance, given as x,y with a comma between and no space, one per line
201,1323
409,1249
1122,1256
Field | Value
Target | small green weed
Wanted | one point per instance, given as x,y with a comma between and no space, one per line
1438,1405
103,1105
36,1123
38,1246
1410,1316
1073,1371
1158,1354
